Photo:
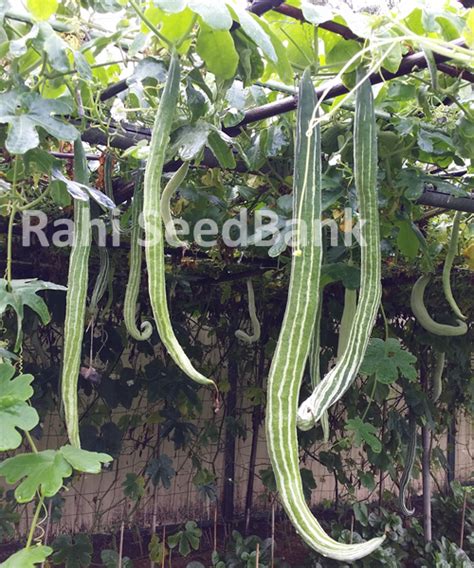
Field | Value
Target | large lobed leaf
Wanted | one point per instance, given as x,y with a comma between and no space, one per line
15,413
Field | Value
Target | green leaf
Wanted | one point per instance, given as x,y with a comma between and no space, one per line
27,557
133,486
221,148
23,293
364,433
341,53
55,48
189,140
173,6
407,240
73,552
250,24
187,539
25,112
110,559
83,460
14,411
46,470
215,14
316,14
43,471
42,9
161,471
388,361
156,550
218,51
469,29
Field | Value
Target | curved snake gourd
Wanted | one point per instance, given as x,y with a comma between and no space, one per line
348,314
78,277
448,263
409,462
154,245
440,359
253,318
134,274
315,364
170,189
100,285
293,345
424,319
338,380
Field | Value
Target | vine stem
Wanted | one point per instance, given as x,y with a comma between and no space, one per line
10,244
35,521
147,22
31,442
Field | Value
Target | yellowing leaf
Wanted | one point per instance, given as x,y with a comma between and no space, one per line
42,9
469,29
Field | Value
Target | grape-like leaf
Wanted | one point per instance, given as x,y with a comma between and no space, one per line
22,293
14,411
364,433
45,471
27,557
388,361
24,112
72,552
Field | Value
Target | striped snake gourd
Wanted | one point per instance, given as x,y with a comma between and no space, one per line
341,376
76,296
293,345
154,241
409,462
418,307
170,189
134,274
245,337
448,263
315,363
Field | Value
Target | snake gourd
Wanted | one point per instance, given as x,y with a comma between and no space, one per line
293,345
348,313
134,274
341,376
76,295
409,462
448,263
154,245
170,189
245,337
315,363
418,308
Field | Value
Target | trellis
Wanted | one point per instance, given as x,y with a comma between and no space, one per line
124,135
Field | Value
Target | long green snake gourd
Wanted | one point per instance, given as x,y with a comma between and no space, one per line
134,274
170,189
76,296
293,345
152,221
409,462
448,263
245,337
315,363
341,376
418,308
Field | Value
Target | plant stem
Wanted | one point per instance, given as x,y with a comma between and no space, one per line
34,521
147,22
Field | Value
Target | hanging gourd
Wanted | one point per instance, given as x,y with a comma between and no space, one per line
135,270
76,296
293,345
152,220
245,337
339,379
